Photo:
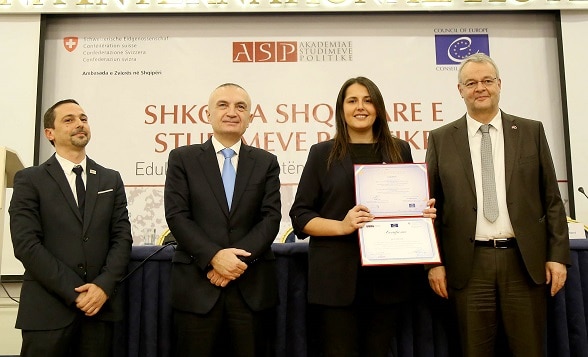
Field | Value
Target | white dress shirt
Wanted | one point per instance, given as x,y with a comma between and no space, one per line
67,167
502,227
220,157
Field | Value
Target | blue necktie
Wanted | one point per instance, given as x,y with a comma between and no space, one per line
228,174
80,188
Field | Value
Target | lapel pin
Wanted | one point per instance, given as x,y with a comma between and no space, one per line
93,172
514,127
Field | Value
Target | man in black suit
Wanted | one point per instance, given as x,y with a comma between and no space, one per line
223,276
501,242
75,247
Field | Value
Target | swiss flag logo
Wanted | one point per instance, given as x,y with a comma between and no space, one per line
70,43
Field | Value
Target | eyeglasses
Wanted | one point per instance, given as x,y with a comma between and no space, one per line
485,82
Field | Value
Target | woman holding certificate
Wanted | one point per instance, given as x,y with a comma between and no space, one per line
357,306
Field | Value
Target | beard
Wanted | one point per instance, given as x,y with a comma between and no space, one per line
80,142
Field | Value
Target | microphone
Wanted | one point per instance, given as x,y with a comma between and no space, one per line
581,190
172,243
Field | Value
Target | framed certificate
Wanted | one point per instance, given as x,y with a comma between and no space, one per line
396,195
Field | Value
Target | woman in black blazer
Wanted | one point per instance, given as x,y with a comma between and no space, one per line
356,306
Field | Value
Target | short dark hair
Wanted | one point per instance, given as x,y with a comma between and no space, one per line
49,117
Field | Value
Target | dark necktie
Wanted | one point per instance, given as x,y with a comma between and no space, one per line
80,188
228,174
488,180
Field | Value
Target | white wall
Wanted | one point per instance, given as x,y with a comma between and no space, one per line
19,57
574,27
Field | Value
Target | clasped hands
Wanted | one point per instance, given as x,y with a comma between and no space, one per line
226,266
90,299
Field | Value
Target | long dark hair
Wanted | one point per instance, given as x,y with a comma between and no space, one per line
385,143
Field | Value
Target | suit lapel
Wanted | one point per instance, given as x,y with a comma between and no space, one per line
244,170
462,146
55,170
511,145
209,167
92,184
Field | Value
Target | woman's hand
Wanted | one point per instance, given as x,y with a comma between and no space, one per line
356,218
430,211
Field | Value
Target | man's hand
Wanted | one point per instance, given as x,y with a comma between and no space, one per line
90,299
556,274
438,281
227,263
217,279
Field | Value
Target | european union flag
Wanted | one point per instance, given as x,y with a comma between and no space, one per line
452,49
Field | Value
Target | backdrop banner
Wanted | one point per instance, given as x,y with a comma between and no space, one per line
144,82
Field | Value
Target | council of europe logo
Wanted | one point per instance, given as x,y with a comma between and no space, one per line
452,49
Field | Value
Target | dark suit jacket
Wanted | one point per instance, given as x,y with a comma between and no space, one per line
198,216
534,204
60,251
334,262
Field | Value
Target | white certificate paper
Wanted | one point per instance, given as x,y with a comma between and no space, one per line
392,189
389,241
396,195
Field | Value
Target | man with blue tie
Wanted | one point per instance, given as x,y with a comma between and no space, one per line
70,229
222,205
501,222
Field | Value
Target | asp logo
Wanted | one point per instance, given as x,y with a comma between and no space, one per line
278,51
70,43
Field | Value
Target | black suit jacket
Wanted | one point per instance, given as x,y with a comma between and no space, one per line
534,203
198,216
59,250
334,262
